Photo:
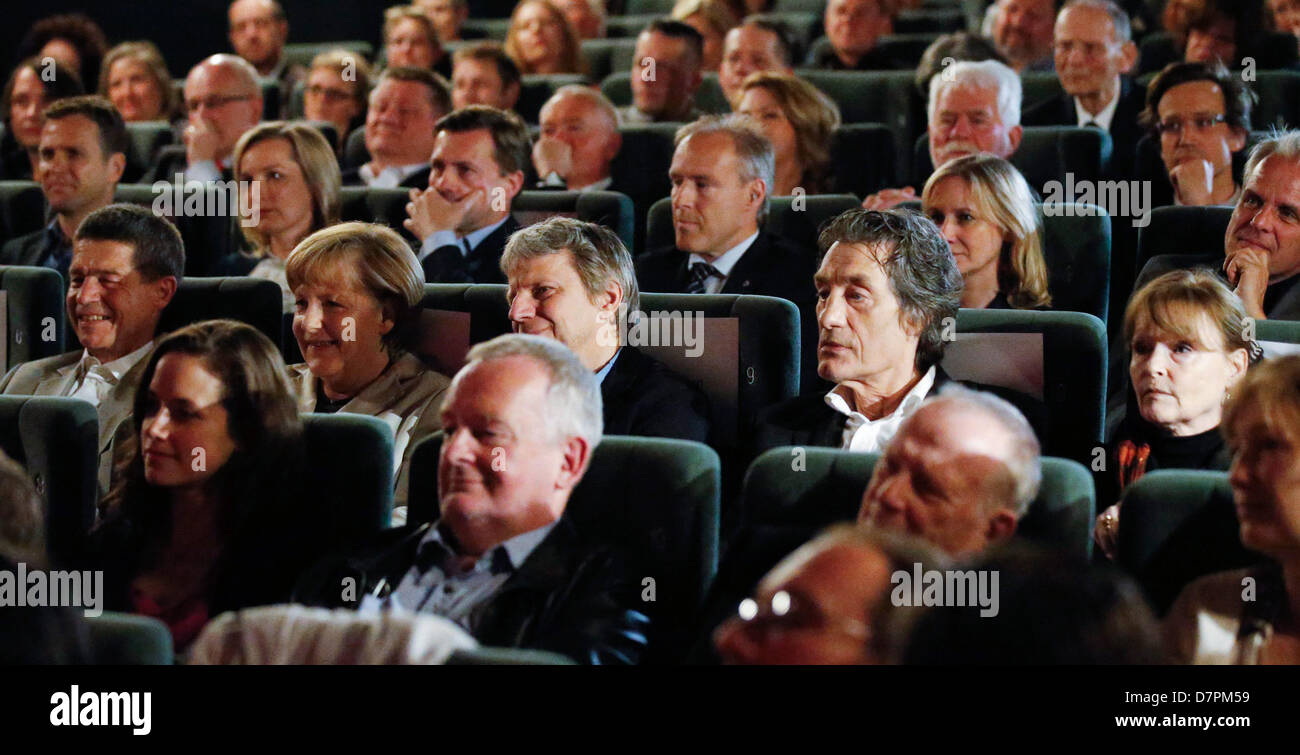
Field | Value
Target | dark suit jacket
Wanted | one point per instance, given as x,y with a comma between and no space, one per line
642,397
1124,129
417,180
26,250
447,264
570,596
170,161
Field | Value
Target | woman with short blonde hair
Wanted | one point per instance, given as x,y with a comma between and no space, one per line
357,289
135,79
541,40
800,121
986,212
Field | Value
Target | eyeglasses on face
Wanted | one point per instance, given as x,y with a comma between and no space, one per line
1175,126
786,611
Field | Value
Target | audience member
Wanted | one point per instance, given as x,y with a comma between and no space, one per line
27,93
986,212
1222,32
1093,49
337,91
223,100
574,281
579,140
411,41
1022,31
73,39
136,80
204,519
258,32
463,218
756,45
665,74
405,105
293,170
126,265
974,107
448,17
1189,344
1286,16
712,19
587,17
949,49
82,155
484,75
853,31
520,421
357,289
1201,114
800,121
541,40
1249,616
828,603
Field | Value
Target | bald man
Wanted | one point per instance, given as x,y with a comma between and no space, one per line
223,99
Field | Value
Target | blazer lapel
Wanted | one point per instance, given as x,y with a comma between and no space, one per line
744,276
116,405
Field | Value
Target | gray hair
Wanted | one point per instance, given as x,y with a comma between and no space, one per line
573,396
1118,17
1284,144
980,74
922,273
1024,462
593,96
753,150
598,254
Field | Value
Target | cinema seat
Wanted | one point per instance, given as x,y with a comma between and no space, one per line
1001,348
485,656
1186,231
57,441
252,301
904,47
790,494
800,226
147,140
490,28
607,56
887,97
929,21
125,639
536,89
1278,337
349,481
640,169
209,236
302,53
1046,153
617,86
1076,248
653,499
1175,526
355,153
630,25
34,309
863,158
271,95
22,209
1038,87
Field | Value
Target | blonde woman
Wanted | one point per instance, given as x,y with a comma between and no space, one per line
986,212
357,290
297,182
135,79
712,19
799,120
541,40
411,41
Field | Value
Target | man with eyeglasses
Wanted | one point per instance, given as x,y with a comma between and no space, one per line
1093,49
223,99
1201,115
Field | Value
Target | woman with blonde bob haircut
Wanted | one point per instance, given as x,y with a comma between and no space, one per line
298,184
799,120
1189,342
135,79
1210,623
541,40
986,211
357,289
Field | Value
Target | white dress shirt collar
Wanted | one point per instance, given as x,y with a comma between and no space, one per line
1107,114
723,263
390,177
871,436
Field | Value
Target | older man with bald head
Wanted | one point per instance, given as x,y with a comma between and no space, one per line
579,140
223,99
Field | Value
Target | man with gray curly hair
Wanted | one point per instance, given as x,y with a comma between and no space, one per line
520,422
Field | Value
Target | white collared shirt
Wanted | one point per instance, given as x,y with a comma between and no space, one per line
1107,113
449,238
390,177
723,263
600,185
871,436
90,379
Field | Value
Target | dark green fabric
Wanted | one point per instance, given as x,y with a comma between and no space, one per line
33,295
57,441
120,639
485,656
301,53
208,237
1076,248
350,477
253,301
22,209
1183,230
536,89
863,159
147,139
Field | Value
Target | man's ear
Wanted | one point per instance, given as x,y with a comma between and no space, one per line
609,299
515,184
577,454
116,166
1014,135
511,95
615,144
1128,56
165,289
757,193
1237,139
1001,526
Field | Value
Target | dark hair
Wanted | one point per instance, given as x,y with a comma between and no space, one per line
159,250
439,89
494,53
959,46
679,30
64,83
112,129
772,25
77,29
920,266
1053,609
512,145
22,514
1237,97
262,420
1247,18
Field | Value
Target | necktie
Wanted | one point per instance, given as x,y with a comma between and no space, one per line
1093,124
700,274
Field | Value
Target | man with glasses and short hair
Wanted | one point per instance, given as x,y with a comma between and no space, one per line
1200,112
223,99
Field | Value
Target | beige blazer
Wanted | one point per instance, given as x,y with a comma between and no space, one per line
44,377
407,396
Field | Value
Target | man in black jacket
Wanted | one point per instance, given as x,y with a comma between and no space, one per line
403,109
1093,48
463,219
521,420
573,281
